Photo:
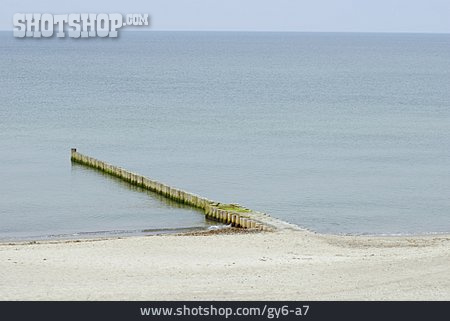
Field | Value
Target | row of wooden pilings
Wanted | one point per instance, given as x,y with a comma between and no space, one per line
232,214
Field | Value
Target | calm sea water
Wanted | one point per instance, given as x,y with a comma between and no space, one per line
338,133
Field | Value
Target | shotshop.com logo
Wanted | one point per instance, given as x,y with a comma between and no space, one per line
76,25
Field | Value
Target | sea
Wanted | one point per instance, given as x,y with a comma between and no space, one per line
339,133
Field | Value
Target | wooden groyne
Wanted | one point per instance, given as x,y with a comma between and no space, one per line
233,214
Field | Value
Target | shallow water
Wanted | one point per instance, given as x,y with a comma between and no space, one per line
339,133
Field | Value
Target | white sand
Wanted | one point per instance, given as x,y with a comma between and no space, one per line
284,265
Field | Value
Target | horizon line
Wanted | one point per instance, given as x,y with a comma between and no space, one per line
270,31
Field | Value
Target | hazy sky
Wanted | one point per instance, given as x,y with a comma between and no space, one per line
260,15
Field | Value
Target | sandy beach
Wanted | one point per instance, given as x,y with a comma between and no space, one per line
284,265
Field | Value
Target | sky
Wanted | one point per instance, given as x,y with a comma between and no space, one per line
416,16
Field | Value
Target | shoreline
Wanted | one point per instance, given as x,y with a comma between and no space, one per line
203,232
188,232
111,235
279,265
